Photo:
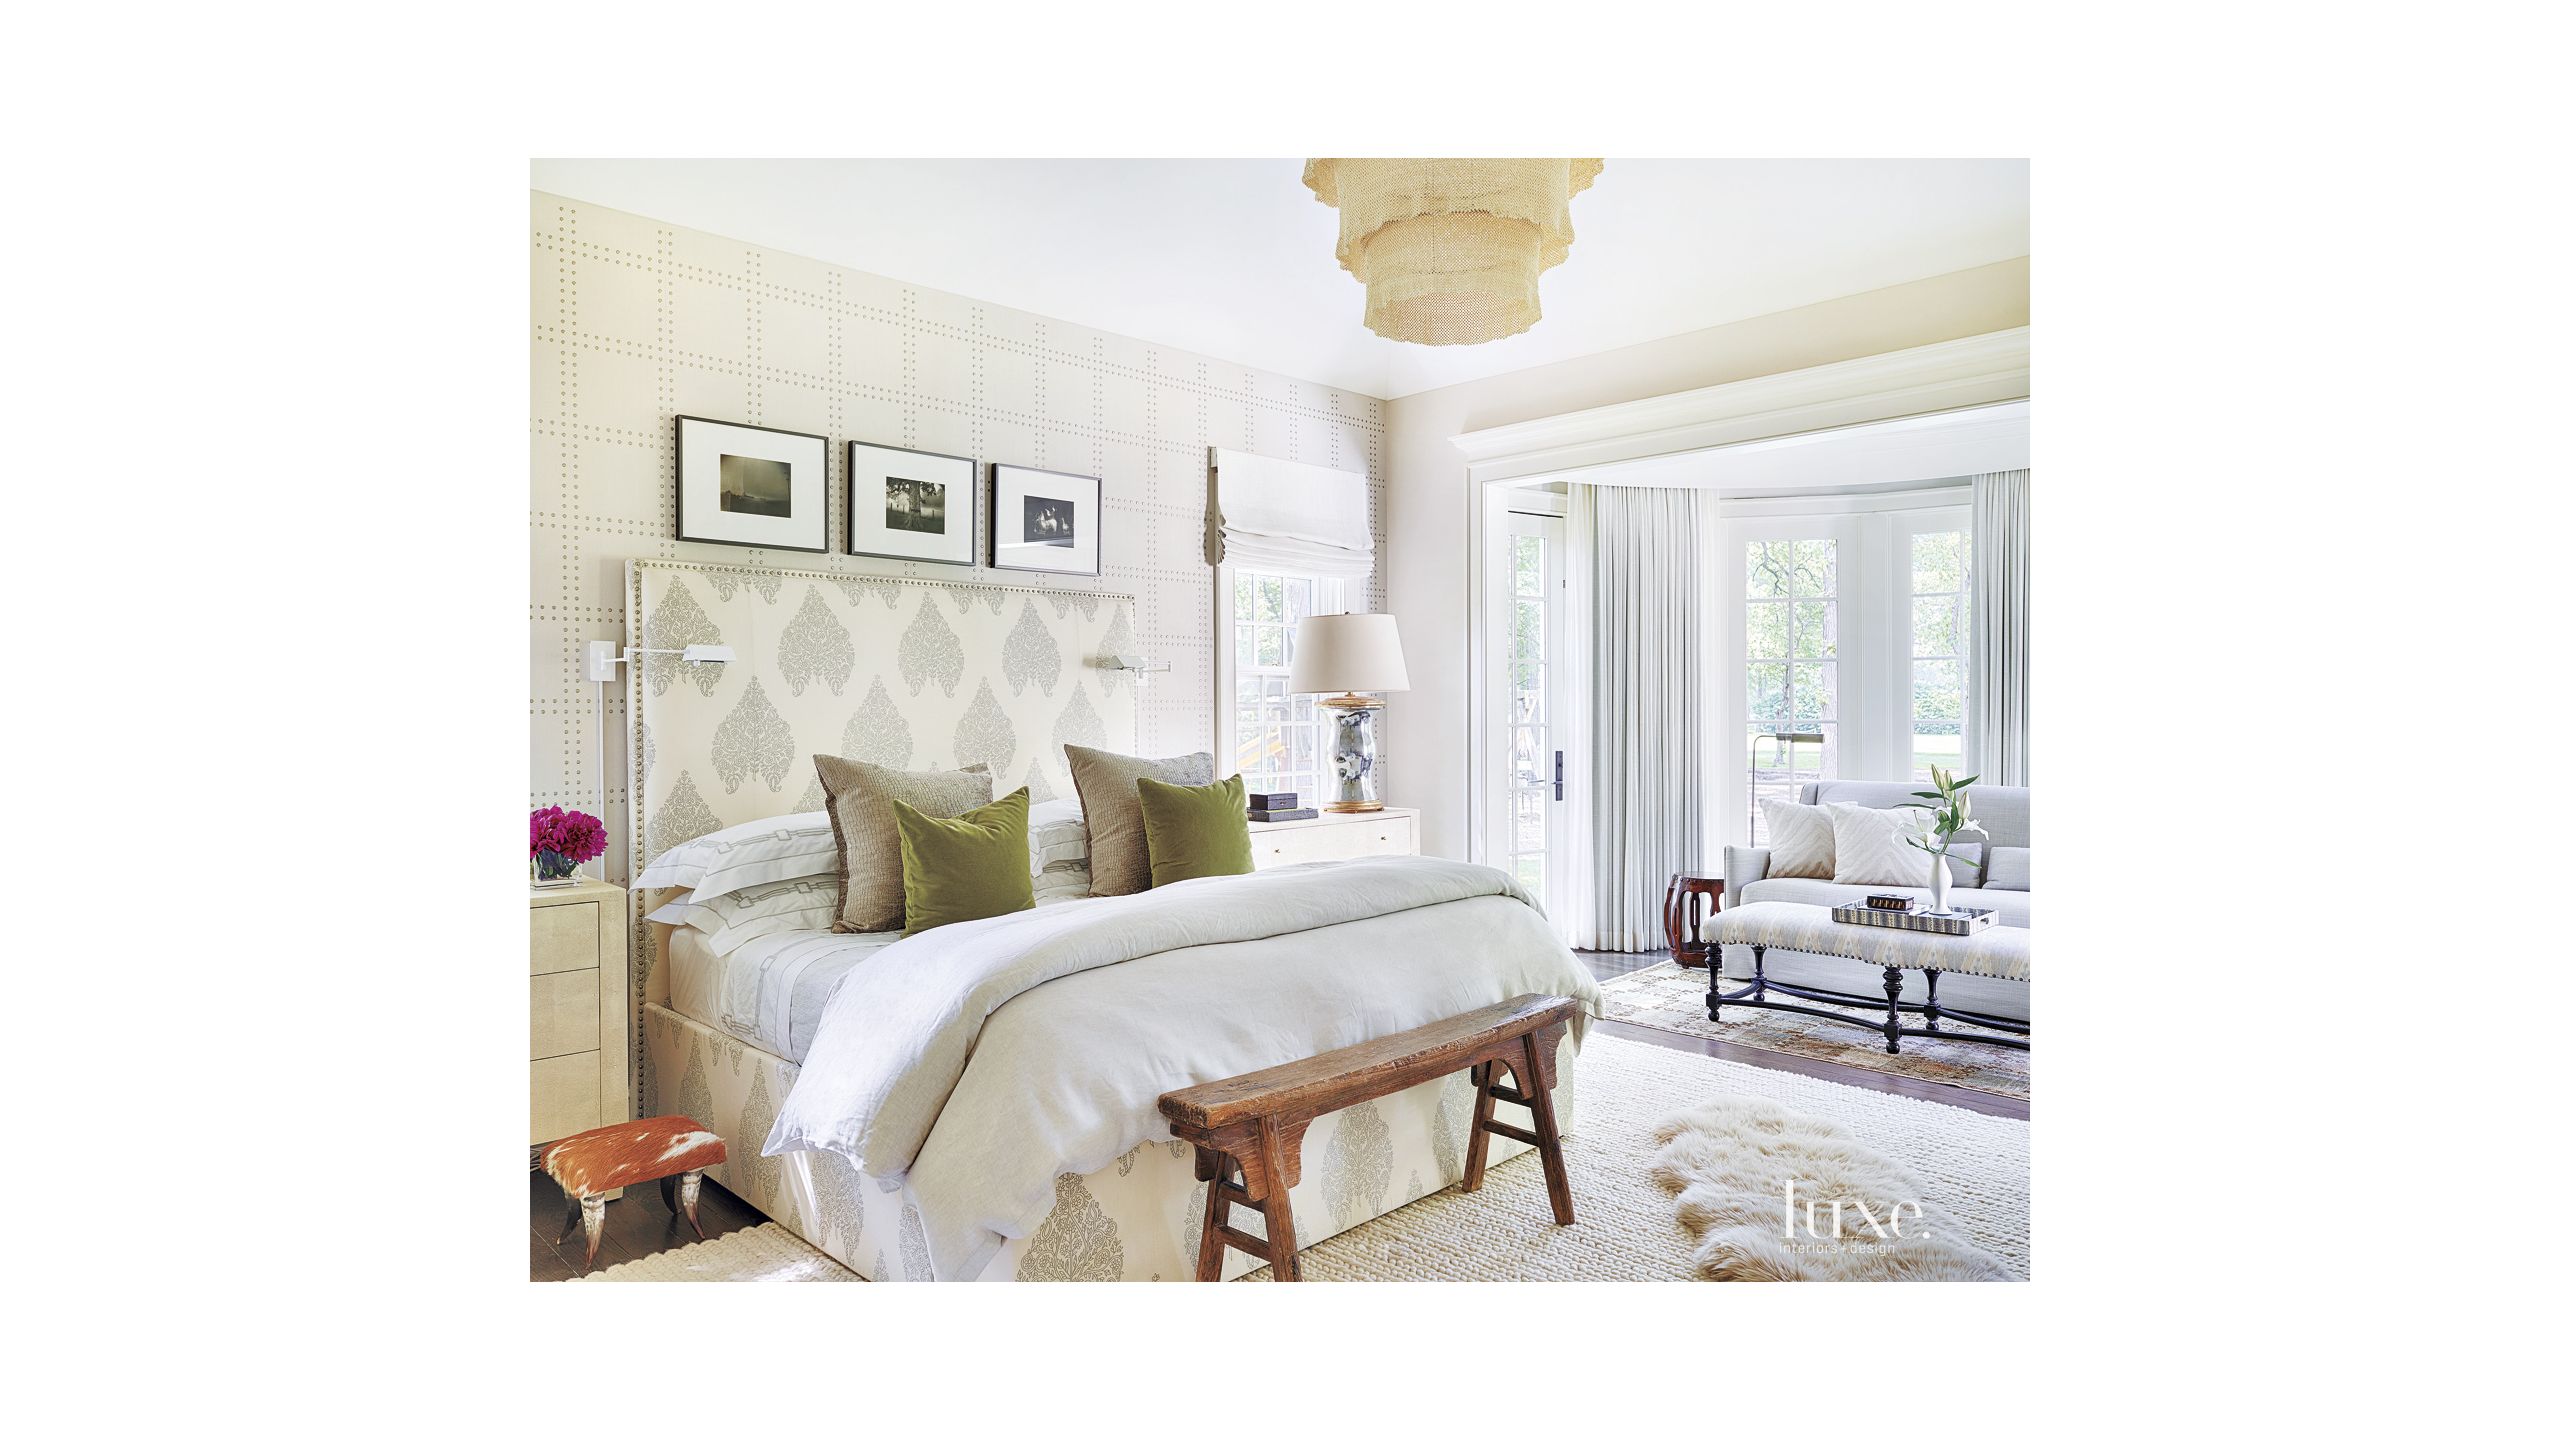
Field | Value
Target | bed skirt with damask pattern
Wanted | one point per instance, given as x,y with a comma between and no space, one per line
1136,1219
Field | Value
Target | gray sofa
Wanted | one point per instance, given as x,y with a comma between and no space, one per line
2000,822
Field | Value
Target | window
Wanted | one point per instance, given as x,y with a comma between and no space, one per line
1274,733
1850,630
1941,591
1529,589
1791,662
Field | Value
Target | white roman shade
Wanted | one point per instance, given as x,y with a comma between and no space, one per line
1282,515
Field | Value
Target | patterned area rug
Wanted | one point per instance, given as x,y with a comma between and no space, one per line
1667,997
1970,1167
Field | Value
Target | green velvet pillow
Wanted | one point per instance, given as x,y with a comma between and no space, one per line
968,867
1194,830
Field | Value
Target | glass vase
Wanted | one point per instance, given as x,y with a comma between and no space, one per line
550,867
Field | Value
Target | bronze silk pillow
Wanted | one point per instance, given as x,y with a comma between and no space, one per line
967,867
1195,830
859,797
1116,831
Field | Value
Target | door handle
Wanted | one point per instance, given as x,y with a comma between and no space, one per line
1558,773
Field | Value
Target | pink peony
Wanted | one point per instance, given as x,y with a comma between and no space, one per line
573,833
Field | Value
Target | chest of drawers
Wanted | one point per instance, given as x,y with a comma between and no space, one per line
1336,837
581,1009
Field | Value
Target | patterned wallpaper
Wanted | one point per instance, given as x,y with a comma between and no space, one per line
636,322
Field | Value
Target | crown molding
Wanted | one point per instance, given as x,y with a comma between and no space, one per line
1952,375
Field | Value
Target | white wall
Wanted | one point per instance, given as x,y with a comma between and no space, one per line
636,321
1426,505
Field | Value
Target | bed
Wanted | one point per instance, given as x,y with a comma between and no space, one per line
976,1102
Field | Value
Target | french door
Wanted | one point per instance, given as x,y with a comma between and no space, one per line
1527,784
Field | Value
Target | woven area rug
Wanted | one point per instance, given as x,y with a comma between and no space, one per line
759,1252
1667,997
1969,1166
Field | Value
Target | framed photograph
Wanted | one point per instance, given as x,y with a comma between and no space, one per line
746,485
911,504
1043,520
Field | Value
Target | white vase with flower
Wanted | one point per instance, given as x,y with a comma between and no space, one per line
1950,811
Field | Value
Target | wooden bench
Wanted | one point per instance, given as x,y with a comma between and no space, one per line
1247,1128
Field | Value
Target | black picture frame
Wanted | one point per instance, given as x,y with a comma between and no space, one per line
966,528
694,531
1080,496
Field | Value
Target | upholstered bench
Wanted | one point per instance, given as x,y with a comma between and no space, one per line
1999,953
670,1149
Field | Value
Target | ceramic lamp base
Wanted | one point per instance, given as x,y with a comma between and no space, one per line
1355,754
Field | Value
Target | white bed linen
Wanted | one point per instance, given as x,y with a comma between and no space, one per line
770,990
978,1062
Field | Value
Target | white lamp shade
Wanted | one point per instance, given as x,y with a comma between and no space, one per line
1346,653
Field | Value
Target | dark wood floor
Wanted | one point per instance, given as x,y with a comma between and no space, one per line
637,1224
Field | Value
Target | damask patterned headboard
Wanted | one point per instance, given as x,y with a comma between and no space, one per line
918,674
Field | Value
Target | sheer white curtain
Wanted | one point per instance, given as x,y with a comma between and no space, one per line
1635,708
1996,725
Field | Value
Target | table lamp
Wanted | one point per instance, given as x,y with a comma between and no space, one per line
1357,655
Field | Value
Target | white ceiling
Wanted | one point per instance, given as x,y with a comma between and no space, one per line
1234,258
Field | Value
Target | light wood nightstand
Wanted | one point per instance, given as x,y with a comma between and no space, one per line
581,1009
1336,837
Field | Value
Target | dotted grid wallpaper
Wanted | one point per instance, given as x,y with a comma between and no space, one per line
636,322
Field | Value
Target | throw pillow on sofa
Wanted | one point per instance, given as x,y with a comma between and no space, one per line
1800,845
2008,868
1873,846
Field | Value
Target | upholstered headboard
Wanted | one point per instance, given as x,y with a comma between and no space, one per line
918,674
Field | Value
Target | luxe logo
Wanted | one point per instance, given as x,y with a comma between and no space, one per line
1890,1228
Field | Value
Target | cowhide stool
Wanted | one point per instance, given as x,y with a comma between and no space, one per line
670,1149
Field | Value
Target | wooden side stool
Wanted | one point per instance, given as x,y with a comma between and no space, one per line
1680,917
1246,1129
670,1149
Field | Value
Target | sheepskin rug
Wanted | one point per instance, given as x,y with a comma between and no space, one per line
1734,1164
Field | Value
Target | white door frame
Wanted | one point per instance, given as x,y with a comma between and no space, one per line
1494,780
1979,370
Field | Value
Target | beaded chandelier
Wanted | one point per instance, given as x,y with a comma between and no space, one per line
1451,250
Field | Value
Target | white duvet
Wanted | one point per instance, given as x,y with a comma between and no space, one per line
978,1062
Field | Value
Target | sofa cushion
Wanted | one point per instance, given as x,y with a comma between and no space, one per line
1966,862
2013,905
2008,869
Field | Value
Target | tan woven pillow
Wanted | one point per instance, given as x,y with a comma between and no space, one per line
1800,841
1107,785
858,796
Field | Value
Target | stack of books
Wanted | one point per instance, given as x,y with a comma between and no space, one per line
1282,805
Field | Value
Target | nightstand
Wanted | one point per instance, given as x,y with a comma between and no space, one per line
1332,836
581,1008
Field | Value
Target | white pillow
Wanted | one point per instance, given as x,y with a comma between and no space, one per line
1800,844
725,862
1871,849
1057,835
810,902
1067,880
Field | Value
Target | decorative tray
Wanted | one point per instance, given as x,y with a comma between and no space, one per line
1959,919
